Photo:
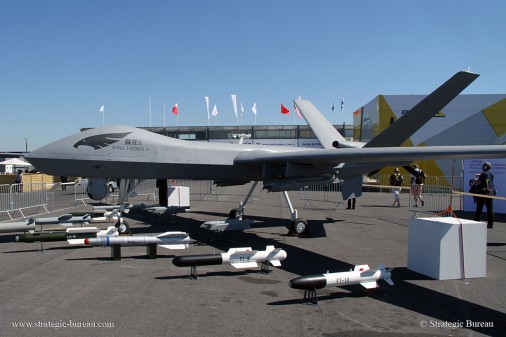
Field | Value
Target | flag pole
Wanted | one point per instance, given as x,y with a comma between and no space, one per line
149,111
164,115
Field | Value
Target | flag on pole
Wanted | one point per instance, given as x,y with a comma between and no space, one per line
297,111
342,103
174,110
234,102
207,105
242,109
254,108
102,108
284,110
215,111
333,106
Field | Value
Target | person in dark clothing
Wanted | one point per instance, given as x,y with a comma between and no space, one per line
162,192
485,185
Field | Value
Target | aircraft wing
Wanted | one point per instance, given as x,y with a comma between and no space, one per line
371,155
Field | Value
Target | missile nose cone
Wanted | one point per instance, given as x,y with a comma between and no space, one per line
16,238
178,261
308,282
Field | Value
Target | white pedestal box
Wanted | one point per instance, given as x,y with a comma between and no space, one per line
178,196
447,248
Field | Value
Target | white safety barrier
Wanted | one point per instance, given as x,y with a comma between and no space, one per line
322,193
5,201
80,193
237,190
23,196
436,200
455,182
202,188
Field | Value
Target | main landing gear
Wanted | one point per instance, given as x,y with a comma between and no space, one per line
297,225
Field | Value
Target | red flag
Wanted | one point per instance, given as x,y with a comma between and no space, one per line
284,110
174,109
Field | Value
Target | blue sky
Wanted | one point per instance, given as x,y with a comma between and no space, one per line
60,60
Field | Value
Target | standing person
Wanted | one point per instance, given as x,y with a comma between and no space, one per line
396,180
485,185
19,177
417,181
19,182
63,181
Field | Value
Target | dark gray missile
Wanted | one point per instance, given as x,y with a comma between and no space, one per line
197,260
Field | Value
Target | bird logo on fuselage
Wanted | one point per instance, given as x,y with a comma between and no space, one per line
101,141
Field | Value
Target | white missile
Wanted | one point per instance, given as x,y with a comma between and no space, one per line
236,257
168,240
361,274
66,220
77,236
24,226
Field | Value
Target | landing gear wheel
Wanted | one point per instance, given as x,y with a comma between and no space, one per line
234,214
123,228
299,226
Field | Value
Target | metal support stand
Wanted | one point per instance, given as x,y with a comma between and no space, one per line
116,252
151,251
265,268
193,272
310,297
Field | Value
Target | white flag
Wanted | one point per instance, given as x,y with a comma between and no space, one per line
207,105
215,111
242,109
254,108
234,102
102,108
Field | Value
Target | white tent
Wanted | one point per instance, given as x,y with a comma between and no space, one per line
15,162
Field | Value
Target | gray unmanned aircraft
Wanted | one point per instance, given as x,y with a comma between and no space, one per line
127,153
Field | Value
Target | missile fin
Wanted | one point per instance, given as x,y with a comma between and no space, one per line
269,248
244,264
361,267
181,246
370,284
275,263
242,249
75,241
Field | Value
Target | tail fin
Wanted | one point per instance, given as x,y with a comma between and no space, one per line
326,133
407,125
388,272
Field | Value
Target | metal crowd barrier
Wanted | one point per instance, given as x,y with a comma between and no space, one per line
238,190
19,197
80,193
322,193
456,182
436,200
202,188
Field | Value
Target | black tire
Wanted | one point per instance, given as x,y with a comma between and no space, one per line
123,228
300,226
234,213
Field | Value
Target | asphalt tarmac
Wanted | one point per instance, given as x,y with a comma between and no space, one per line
79,291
